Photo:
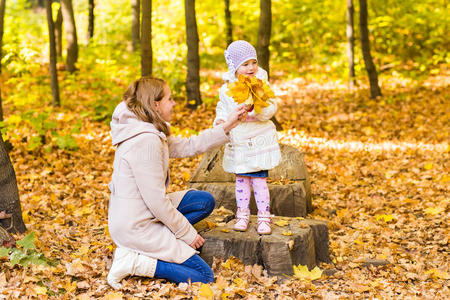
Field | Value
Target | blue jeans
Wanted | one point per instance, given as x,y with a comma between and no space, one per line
195,206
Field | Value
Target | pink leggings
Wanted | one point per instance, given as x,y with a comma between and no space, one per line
260,190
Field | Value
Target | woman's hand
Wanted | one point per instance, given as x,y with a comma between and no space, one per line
235,118
198,242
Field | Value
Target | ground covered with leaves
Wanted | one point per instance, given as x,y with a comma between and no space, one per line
379,173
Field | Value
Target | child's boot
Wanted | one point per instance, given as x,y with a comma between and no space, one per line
264,221
125,263
242,219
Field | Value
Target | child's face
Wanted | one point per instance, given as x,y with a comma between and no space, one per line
249,68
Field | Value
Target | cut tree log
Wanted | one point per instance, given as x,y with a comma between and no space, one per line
293,241
289,184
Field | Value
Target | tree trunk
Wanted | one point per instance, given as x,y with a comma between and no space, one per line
193,59
365,45
146,38
9,194
53,71
91,19
58,33
265,26
71,32
229,26
350,45
2,18
135,24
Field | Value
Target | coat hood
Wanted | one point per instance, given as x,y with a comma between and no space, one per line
125,125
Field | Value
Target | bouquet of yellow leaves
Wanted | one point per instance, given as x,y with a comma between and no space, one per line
250,91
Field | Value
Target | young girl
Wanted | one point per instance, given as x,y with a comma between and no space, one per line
153,230
254,148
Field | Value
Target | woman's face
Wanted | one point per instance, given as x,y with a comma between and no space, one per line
249,68
165,106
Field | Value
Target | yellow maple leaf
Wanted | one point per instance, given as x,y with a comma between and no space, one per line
445,178
206,291
225,230
281,223
186,176
302,272
239,282
225,296
210,224
428,166
358,241
386,218
438,274
231,262
433,210
40,290
239,91
286,233
251,91
114,296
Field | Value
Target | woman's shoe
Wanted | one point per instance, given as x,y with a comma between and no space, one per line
127,262
264,221
242,219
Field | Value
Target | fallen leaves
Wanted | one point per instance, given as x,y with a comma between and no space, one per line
385,218
378,179
281,223
206,292
302,272
434,210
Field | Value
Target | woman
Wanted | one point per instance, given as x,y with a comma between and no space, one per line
153,230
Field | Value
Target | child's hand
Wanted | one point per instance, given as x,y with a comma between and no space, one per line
220,122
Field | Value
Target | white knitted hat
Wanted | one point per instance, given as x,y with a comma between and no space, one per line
237,53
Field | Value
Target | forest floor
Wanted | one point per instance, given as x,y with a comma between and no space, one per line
379,173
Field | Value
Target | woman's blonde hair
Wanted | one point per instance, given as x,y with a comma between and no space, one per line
140,98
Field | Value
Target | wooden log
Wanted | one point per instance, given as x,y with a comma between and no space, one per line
290,197
298,241
291,167
289,200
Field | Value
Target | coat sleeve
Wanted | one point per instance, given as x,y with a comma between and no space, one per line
206,140
269,111
146,163
223,108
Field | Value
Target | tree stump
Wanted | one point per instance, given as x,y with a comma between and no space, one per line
290,193
293,241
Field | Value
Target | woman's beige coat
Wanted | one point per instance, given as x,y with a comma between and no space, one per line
142,217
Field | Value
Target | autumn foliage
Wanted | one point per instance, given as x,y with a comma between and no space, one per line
378,168
250,91
378,173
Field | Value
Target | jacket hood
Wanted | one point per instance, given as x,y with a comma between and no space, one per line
125,125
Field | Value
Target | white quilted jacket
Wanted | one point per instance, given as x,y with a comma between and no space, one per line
254,143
